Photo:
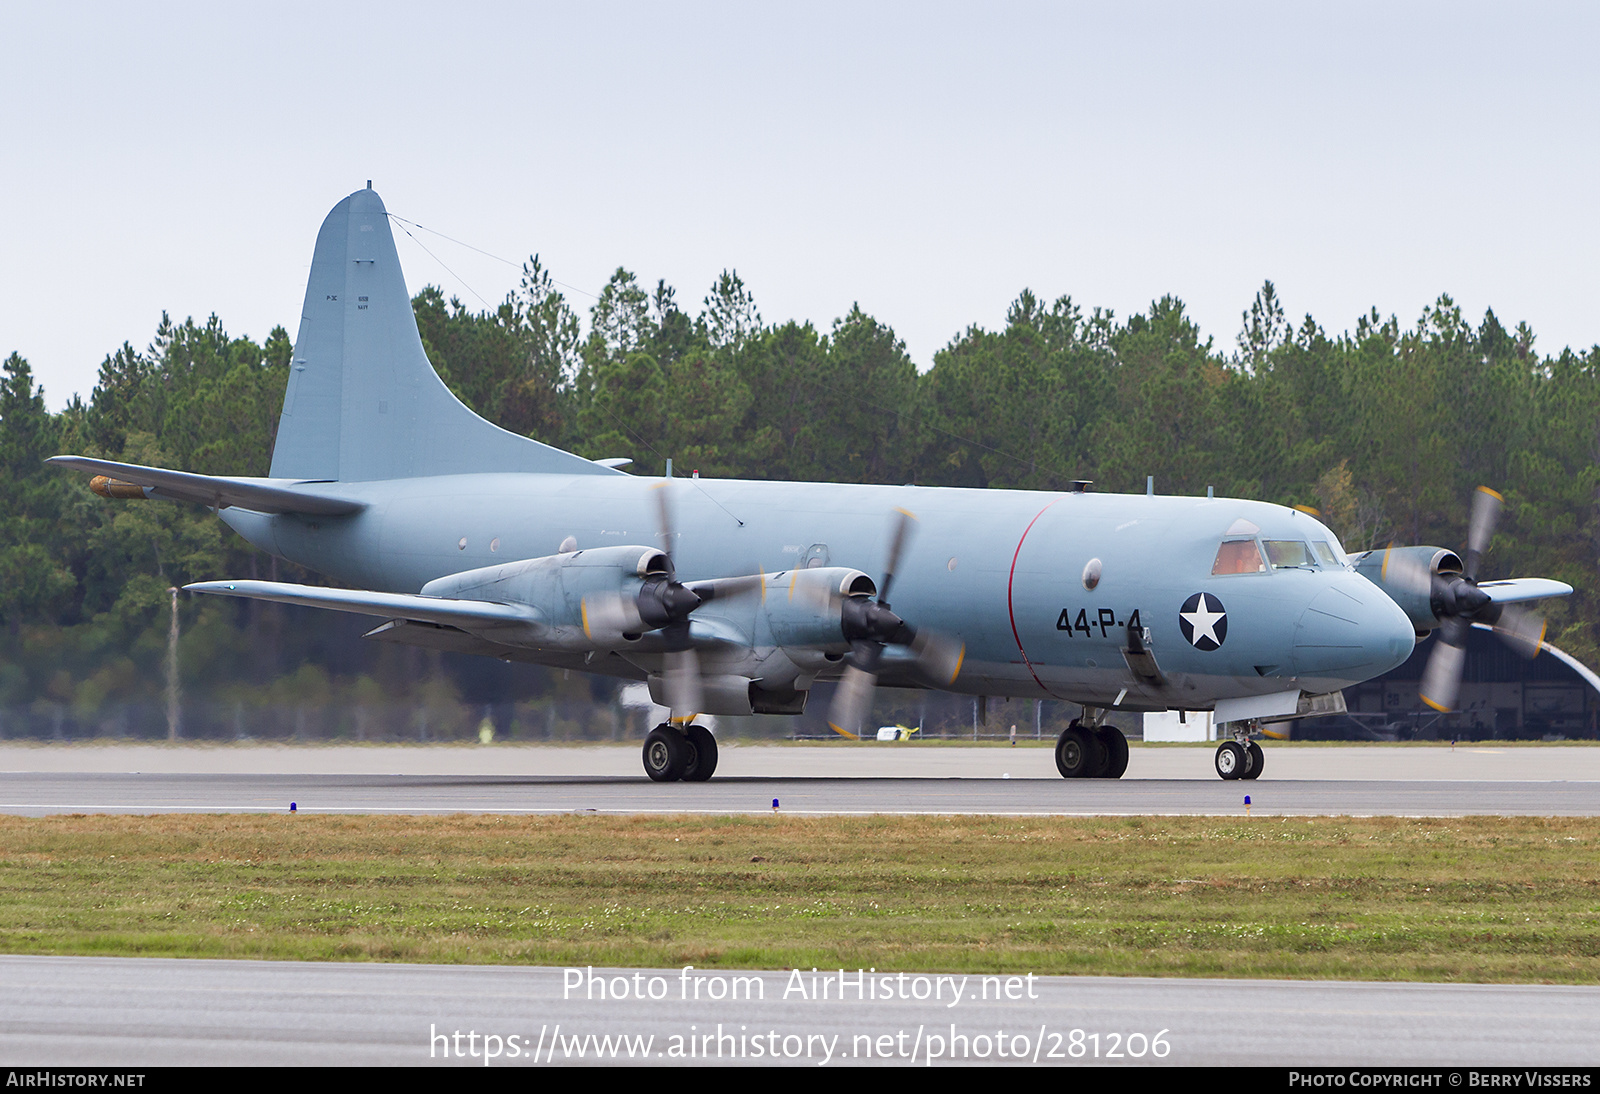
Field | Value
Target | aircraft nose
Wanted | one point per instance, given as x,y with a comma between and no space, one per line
1351,630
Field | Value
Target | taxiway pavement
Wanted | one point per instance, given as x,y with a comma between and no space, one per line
132,1012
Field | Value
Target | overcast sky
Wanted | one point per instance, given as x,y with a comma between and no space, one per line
926,160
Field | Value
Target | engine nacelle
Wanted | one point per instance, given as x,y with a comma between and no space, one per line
564,588
804,607
1387,569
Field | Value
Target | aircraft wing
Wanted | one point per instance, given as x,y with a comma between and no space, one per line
470,615
260,495
1523,588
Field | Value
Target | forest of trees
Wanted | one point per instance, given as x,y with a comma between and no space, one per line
1385,429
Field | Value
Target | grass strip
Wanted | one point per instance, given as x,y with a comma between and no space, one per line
1484,899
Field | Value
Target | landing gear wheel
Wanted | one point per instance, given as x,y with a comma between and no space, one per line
1115,746
703,750
1232,760
1079,753
1258,760
666,754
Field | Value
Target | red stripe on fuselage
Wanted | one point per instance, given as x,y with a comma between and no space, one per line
1011,611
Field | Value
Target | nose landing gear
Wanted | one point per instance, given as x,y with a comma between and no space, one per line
1240,758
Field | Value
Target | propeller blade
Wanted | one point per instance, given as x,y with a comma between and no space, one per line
1480,530
852,702
1520,629
1406,573
1441,679
721,588
664,522
820,596
904,522
608,616
820,590
939,656
682,678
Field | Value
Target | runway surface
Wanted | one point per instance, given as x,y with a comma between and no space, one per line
124,1012
131,1012
839,779
31,794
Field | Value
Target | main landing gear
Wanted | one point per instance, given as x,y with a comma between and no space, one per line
1240,758
673,753
1089,749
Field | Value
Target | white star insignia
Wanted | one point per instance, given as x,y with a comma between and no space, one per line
1204,621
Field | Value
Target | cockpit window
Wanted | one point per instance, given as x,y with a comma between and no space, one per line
1325,554
1286,553
1238,556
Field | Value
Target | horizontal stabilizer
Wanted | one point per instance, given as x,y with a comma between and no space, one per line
471,615
1514,589
259,495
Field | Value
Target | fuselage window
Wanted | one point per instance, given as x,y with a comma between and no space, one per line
1238,556
1285,553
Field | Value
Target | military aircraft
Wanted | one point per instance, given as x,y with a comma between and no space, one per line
736,597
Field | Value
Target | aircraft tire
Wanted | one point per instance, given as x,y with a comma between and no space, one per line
703,754
1258,760
1079,753
1116,751
1232,760
666,754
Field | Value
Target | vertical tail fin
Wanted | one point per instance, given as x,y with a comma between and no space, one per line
363,402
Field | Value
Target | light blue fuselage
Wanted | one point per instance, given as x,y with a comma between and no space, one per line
1002,570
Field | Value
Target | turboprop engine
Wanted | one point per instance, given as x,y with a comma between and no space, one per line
1441,591
600,598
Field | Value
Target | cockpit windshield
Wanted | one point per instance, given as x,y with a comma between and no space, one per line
1244,556
1287,553
1238,556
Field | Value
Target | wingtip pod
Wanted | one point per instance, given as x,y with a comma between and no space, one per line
108,487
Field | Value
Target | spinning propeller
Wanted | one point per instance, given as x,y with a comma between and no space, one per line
869,626
1458,602
664,604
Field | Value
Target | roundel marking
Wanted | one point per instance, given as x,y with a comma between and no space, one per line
1203,621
